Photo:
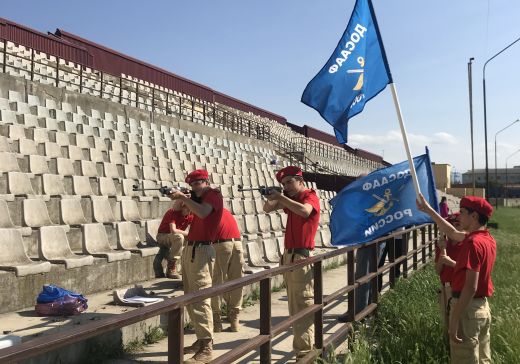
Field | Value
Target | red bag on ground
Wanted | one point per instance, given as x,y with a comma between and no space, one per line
64,306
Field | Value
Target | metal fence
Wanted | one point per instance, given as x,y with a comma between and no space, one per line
127,90
423,238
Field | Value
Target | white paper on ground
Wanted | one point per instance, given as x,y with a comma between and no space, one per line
136,299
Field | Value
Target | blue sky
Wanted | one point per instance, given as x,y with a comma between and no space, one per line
265,52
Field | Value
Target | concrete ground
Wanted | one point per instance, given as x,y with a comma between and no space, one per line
249,318
28,325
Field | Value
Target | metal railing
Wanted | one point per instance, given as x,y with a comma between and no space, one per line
132,92
83,79
423,238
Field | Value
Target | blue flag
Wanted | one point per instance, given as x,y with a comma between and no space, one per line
381,202
356,72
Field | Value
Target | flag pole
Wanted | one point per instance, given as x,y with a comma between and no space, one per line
405,139
396,102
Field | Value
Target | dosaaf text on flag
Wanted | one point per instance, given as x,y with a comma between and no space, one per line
381,202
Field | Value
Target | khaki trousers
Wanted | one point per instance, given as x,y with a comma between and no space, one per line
229,259
300,295
474,327
196,276
173,242
444,299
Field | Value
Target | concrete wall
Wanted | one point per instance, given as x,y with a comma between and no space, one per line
463,191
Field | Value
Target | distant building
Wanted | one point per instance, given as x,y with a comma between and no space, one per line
512,176
456,178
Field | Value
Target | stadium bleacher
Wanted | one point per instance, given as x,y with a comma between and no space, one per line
66,192
75,140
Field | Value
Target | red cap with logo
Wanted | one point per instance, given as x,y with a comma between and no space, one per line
477,204
288,171
196,175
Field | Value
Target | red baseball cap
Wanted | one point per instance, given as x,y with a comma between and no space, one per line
288,171
477,204
196,175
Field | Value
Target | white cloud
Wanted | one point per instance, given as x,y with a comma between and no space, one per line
364,141
444,147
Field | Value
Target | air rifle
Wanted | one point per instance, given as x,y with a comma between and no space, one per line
264,190
164,190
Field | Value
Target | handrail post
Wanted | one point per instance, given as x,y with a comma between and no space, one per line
80,78
406,240
374,282
318,300
265,319
153,99
414,242
351,313
120,90
430,239
391,259
136,94
57,71
32,64
176,335
423,241
101,87
5,56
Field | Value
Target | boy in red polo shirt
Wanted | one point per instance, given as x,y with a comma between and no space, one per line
170,236
198,258
229,260
302,207
470,318
446,254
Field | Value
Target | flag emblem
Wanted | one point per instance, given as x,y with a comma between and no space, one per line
383,204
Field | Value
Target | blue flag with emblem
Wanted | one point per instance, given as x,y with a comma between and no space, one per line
381,202
355,73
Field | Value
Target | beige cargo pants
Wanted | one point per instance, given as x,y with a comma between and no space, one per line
474,327
300,294
173,242
229,259
198,264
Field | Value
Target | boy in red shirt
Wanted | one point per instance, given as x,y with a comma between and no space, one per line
302,207
170,236
198,258
470,317
446,254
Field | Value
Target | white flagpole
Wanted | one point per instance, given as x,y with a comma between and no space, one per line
405,139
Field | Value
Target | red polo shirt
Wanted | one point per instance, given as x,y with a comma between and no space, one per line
478,253
300,231
182,222
452,250
206,229
228,227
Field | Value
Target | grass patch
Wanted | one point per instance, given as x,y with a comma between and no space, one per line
407,326
251,298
